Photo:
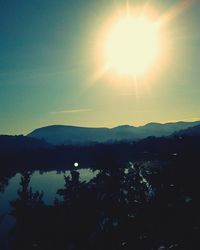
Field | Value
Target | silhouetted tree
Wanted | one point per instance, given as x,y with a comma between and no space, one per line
25,209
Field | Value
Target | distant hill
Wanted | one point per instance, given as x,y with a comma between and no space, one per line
10,143
61,134
191,131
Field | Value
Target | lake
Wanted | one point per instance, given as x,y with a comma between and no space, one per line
48,182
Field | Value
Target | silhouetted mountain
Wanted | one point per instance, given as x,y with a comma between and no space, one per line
18,143
191,131
60,134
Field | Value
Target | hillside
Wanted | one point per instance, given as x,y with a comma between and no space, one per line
191,131
10,143
60,134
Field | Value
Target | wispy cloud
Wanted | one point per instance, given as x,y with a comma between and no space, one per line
69,111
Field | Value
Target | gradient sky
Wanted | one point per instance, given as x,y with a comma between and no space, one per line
49,59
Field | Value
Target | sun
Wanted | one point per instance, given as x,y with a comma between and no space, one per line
132,45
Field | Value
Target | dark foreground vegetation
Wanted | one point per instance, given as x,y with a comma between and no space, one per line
121,208
126,206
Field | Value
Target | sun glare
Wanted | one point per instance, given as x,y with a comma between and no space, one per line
132,45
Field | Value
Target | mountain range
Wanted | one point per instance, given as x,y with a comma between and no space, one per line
71,135
191,131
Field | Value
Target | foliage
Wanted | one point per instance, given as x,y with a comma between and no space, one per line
129,207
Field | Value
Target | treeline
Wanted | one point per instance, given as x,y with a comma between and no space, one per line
179,149
47,157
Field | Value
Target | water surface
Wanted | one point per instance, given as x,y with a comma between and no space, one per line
48,182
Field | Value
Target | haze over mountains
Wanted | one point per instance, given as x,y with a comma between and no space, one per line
61,134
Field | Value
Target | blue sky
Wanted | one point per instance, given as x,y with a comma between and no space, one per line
48,57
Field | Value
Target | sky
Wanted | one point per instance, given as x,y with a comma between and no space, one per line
50,71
